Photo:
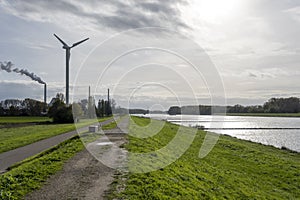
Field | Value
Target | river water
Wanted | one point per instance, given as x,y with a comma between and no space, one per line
275,131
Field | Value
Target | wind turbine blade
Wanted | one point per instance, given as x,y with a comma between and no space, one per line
77,43
60,40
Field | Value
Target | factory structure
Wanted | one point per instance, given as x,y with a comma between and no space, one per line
103,108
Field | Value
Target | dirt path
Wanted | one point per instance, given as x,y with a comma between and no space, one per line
84,176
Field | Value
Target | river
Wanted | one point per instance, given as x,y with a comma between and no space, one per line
275,131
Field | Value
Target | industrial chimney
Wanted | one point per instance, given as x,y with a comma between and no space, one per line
45,93
89,92
45,97
91,105
108,95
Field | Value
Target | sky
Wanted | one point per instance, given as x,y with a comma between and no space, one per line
154,54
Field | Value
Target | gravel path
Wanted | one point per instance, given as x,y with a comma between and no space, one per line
84,176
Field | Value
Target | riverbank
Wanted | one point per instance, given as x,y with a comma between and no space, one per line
234,169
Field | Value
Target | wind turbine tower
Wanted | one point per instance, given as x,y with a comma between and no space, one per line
68,54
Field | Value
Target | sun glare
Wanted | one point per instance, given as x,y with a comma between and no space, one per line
215,10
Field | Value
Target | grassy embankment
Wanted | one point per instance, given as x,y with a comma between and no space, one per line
11,138
31,173
234,169
265,114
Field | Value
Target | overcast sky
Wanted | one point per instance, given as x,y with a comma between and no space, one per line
251,46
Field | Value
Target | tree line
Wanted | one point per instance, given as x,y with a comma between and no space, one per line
273,105
26,107
57,109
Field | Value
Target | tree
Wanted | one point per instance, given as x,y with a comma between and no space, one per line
282,105
13,111
59,111
174,110
60,96
104,108
2,111
108,110
33,107
100,108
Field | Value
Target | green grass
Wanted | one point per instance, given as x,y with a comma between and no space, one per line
234,169
265,114
13,120
109,126
33,172
11,138
104,118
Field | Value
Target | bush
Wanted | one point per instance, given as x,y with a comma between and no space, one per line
63,115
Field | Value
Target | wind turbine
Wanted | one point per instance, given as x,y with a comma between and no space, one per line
68,54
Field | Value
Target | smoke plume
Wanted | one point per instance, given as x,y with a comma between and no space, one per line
31,75
7,66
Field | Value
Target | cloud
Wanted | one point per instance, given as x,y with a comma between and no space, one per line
267,73
294,12
31,44
263,73
116,15
252,75
22,82
19,89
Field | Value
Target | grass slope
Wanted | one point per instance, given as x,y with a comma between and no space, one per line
234,169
